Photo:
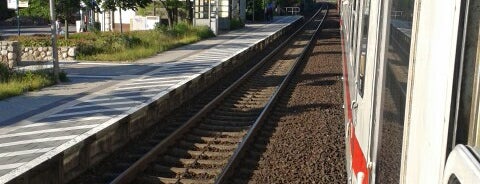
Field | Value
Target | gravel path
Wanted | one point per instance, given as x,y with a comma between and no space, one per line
307,145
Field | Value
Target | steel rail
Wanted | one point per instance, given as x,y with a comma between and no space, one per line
129,174
234,160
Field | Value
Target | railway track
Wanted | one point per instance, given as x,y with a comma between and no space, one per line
206,147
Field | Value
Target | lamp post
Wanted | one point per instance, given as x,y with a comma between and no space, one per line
18,18
154,8
56,67
253,15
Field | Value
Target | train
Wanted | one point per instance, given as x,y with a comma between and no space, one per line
411,74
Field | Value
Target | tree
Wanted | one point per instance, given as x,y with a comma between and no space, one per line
124,4
65,10
189,8
171,6
149,10
36,8
56,66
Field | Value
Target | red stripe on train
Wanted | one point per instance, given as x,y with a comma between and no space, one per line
359,163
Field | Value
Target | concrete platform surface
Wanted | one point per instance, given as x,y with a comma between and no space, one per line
39,125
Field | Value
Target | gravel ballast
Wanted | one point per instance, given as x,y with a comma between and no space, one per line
307,143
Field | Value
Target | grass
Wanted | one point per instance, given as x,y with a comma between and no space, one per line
128,55
16,83
129,46
141,44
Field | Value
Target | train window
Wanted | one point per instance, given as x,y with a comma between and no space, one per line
354,26
363,46
467,105
354,33
392,105
474,125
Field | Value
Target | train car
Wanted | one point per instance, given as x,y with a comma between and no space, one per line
412,90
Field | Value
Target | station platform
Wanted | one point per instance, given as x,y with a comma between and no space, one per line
65,124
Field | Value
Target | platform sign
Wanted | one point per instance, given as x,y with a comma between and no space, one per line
16,5
23,3
12,4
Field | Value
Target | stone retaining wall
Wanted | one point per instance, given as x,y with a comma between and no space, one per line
13,54
45,53
9,52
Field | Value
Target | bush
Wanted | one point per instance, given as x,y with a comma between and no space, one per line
4,73
62,42
43,41
84,36
95,27
161,27
204,32
63,76
129,41
33,41
87,49
181,29
114,46
117,42
236,24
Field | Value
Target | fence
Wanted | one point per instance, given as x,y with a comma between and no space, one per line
292,10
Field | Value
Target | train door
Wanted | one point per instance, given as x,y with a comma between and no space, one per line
345,20
463,147
348,11
362,69
362,101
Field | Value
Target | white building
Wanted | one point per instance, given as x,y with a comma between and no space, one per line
112,20
125,20
217,14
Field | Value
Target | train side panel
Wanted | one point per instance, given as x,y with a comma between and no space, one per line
406,84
